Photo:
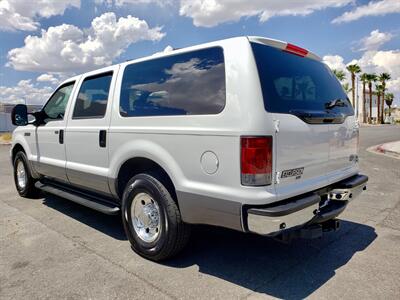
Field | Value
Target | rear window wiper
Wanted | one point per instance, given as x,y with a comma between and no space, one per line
337,102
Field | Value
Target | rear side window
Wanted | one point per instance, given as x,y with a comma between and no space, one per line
290,82
93,97
184,84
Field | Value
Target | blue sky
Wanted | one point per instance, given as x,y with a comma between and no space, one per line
342,31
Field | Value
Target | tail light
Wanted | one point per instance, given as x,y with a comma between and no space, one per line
256,160
295,50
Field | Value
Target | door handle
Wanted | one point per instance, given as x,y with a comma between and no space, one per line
102,138
61,136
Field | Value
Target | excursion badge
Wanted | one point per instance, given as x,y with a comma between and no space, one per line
292,172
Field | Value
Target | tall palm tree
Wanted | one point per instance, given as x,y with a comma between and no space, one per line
379,92
371,78
383,78
339,74
364,80
389,100
353,69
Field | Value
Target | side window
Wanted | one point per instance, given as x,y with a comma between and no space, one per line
191,83
93,97
55,107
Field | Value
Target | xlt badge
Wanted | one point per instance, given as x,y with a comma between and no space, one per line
292,172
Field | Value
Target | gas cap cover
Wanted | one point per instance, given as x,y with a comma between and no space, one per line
209,162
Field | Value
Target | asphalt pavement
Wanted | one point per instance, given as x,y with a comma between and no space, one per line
51,248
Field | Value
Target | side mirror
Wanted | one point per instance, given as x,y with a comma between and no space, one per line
19,115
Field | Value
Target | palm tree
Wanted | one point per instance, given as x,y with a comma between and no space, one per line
353,69
371,78
379,92
339,74
364,80
346,87
389,100
383,78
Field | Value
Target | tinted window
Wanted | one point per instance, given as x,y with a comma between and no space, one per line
185,84
55,107
93,96
291,82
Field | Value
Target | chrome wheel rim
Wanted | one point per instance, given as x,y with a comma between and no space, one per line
21,174
145,216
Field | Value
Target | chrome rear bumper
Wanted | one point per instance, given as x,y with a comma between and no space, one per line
314,208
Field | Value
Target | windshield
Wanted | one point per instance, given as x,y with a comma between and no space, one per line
290,82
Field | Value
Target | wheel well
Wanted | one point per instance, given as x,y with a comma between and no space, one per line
139,165
17,148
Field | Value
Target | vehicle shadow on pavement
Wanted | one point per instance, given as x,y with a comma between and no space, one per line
287,271
109,225
260,264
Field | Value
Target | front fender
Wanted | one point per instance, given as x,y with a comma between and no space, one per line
18,138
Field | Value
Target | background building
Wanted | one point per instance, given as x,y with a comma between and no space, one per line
5,115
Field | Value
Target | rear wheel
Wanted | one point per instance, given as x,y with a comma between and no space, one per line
152,219
24,182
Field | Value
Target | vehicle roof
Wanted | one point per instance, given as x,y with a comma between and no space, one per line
256,39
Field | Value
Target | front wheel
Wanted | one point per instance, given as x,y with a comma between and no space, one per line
24,182
151,218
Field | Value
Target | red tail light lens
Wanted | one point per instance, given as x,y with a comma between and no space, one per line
256,160
295,50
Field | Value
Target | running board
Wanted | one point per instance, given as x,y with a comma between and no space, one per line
82,199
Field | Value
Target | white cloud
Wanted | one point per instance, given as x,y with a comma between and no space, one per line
67,48
25,90
209,13
158,2
335,62
381,61
22,14
169,48
375,40
394,86
119,3
48,78
373,62
373,8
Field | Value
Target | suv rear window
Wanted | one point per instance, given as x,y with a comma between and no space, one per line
290,82
191,83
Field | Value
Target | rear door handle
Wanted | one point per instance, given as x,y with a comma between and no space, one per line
61,136
102,138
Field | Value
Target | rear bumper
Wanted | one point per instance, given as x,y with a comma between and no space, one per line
313,208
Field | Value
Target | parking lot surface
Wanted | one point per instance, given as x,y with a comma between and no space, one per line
51,248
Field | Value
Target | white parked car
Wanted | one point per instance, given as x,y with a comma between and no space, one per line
247,133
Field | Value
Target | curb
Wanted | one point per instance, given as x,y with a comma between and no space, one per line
379,149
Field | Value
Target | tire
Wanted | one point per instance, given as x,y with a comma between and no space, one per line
27,188
157,243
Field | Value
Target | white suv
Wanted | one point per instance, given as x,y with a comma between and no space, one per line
247,133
